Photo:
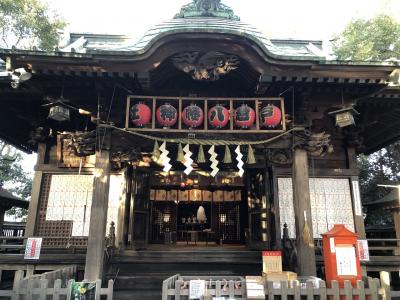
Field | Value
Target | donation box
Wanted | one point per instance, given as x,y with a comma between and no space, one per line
341,256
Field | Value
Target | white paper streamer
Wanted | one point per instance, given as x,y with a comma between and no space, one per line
240,163
164,158
214,161
188,160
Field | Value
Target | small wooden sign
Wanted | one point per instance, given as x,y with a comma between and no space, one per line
197,289
32,249
363,250
272,261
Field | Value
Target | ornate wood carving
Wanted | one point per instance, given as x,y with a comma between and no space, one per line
280,156
121,159
208,66
207,8
316,144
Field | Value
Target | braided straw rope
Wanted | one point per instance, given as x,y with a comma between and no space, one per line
201,141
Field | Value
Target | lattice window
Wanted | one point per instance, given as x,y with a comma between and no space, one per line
70,199
330,204
163,219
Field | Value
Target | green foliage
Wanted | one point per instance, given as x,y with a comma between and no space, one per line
377,39
28,23
12,176
382,167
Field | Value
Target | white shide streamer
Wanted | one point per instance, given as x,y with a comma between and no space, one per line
164,157
214,161
239,159
188,160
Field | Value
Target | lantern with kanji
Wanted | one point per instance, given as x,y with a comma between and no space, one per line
218,116
167,115
270,116
244,116
193,116
140,114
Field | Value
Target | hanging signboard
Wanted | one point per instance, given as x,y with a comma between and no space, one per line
363,250
32,249
190,114
83,291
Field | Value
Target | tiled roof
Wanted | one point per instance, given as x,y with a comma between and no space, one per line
118,44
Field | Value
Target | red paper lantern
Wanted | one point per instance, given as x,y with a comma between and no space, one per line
218,116
193,116
244,116
167,115
271,116
140,114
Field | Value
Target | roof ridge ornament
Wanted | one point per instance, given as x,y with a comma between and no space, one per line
207,8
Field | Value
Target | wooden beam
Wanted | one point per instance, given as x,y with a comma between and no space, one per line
396,219
302,207
35,194
98,217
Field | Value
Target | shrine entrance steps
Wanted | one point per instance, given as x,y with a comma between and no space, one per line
139,275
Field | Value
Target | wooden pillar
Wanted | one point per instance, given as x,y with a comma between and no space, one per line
98,217
2,213
302,208
396,219
359,225
35,194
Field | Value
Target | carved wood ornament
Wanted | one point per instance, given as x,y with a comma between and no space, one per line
208,66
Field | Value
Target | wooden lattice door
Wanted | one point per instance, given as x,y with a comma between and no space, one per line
140,209
257,192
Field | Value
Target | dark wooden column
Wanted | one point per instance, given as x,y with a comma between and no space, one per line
396,219
2,213
302,208
98,217
35,194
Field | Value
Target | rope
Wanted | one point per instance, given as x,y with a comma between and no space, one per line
201,141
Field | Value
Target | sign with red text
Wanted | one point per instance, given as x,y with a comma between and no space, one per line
32,249
363,250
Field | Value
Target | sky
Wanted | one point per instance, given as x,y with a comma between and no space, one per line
303,19
308,19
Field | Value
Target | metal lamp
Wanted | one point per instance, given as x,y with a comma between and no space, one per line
59,113
344,117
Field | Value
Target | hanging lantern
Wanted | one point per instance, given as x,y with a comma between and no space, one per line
244,116
193,116
59,113
140,114
167,115
218,116
271,116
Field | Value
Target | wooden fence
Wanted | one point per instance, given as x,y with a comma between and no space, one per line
177,288
57,284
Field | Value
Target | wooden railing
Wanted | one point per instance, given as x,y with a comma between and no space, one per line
177,287
384,247
16,244
57,284
14,229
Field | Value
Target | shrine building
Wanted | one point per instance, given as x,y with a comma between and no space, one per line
194,148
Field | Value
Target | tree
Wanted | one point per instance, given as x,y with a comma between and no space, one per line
377,39
12,176
29,23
